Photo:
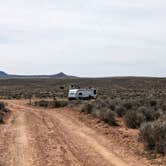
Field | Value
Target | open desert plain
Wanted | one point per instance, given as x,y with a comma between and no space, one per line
42,128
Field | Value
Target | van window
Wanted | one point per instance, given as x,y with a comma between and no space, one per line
80,93
94,92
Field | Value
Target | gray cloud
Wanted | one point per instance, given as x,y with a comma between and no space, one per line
87,38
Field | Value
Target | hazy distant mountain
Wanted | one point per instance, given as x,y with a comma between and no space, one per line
59,75
62,75
3,74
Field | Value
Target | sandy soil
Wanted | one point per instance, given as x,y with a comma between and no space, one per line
55,137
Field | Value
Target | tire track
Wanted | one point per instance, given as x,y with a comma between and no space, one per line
40,137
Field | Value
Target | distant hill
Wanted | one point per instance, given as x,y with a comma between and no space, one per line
58,75
3,74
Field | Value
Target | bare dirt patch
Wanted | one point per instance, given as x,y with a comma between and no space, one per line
49,137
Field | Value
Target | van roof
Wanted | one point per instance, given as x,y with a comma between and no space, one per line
75,90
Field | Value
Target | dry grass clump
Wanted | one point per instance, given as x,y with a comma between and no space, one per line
87,107
101,110
41,103
134,119
133,111
128,105
153,135
2,105
3,111
153,103
109,117
121,111
51,104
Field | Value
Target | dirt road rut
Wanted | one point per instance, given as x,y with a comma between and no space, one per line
38,137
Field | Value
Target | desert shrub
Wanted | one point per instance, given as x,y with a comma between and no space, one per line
104,97
103,113
41,103
97,113
121,111
62,87
112,106
3,111
2,105
146,135
142,109
87,108
51,104
152,115
134,119
75,103
153,103
1,119
105,104
61,103
101,104
153,135
109,117
149,113
64,103
127,105
163,107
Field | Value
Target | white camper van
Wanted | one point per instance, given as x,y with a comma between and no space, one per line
75,94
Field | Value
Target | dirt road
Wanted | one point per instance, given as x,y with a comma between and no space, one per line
38,137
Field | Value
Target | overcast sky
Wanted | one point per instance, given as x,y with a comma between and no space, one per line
83,37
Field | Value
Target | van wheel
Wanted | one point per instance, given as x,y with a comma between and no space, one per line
90,97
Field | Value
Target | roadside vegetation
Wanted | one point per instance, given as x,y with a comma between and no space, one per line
50,104
147,116
139,102
3,112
